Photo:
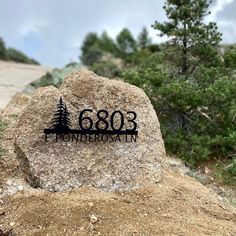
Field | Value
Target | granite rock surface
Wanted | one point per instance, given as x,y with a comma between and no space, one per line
109,161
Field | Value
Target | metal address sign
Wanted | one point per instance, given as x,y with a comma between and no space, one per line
103,129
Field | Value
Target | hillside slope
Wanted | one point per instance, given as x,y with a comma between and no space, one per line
15,76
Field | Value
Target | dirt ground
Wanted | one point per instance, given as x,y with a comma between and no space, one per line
178,205
15,76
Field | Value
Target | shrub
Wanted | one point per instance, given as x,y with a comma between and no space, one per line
54,78
197,114
93,55
18,56
3,52
230,57
106,69
229,172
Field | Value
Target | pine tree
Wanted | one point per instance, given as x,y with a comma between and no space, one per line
190,35
143,39
61,120
91,50
196,108
107,44
90,40
126,43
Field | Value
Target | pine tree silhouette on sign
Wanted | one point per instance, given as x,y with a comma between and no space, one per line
61,120
66,118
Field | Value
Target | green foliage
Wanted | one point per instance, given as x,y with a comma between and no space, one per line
90,40
17,56
226,171
105,56
91,51
95,47
197,114
44,81
190,36
3,52
126,43
154,48
13,54
106,69
145,58
230,172
230,57
187,84
93,55
107,44
143,39
54,78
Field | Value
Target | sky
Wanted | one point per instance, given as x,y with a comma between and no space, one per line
51,31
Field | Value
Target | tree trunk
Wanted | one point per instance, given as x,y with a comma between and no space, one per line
184,53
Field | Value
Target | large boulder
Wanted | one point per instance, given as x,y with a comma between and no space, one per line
59,162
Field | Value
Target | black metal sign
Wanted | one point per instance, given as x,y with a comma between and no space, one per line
103,129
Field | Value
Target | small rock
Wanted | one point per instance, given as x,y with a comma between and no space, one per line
221,189
12,223
93,218
9,182
2,212
127,201
20,187
207,170
90,204
166,215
